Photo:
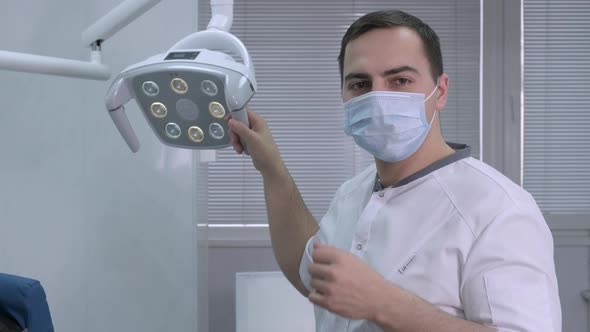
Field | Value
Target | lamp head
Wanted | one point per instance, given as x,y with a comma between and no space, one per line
186,93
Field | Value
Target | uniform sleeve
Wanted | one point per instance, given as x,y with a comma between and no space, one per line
320,236
306,258
306,261
509,280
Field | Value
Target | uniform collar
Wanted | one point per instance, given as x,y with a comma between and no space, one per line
461,151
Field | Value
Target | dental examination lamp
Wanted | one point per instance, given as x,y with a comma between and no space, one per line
184,93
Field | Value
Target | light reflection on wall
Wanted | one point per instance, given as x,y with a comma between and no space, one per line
174,158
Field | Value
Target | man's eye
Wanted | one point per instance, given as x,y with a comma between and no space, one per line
359,85
402,81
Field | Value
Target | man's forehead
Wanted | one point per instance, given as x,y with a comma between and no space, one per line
382,49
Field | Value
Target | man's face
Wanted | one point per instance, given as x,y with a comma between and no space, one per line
390,59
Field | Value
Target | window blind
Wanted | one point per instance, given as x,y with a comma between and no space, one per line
556,99
294,46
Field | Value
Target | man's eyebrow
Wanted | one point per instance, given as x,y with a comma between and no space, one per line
388,72
353,76
398,70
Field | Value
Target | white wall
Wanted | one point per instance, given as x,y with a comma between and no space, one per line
110,234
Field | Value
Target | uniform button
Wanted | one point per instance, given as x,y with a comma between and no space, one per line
381,194
359,246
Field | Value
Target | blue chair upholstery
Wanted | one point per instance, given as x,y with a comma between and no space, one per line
24,300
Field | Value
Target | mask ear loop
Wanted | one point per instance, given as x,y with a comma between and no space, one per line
433,116
433,91
430,95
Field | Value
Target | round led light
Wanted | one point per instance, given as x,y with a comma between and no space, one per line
216,110
179,86
209,88
158,110
216,131
196,134
172,130
150,88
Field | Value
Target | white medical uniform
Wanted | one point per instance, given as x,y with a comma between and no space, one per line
458,234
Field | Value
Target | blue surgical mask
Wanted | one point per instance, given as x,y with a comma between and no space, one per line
389,125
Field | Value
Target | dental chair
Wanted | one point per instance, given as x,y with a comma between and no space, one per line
23,305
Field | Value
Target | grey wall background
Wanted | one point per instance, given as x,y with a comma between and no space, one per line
109,234
571,263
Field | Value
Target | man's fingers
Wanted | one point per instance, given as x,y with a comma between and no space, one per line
235,142
316,298
233,137
325,254
320,286
257,123
320,271
240,129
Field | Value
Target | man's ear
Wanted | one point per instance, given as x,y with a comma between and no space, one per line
442,93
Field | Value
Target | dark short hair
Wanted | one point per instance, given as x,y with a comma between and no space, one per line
391,19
